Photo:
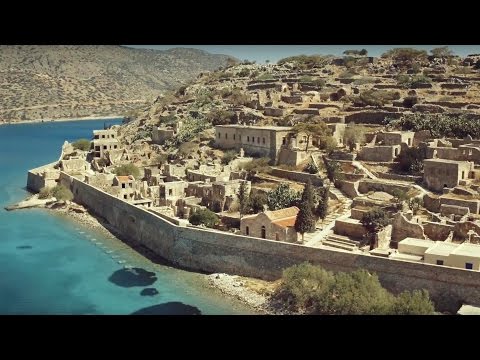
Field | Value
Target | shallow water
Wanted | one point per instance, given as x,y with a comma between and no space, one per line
50,264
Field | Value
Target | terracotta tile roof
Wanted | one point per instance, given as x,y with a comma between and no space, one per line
288,222
124,178
282,213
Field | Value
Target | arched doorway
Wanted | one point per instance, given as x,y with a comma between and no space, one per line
264,233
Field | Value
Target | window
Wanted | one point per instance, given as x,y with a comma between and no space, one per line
264,233
170,192
114,146
233,136
248,138
103,136
123,185
469,266
218,135
463,175
240,137
264,140
104,147
284,140
226,136
396,152
409,141
113,136
247,231
277,237
439,262
125,196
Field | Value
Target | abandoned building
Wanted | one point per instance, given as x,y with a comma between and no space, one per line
276,225
265,141
104,140
442,173
161,134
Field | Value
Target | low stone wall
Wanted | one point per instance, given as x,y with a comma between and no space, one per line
212,251
351,228
437,231
403,228
349,188
431,203
390,176
371,117
369,185
473,205
298,176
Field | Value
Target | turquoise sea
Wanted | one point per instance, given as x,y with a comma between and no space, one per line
50,264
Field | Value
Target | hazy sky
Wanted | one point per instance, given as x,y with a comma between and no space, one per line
260,53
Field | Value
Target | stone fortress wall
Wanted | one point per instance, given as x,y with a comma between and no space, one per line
212,251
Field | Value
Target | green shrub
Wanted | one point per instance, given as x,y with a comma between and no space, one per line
305,61
220,117
45,193
204,217
375,220
82,144
228,156
311,168
313,290
256,203
410,160
281,197
127,169
62,193
376,97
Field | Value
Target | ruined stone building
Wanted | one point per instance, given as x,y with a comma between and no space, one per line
161,134
440,173
265,141
104,140
125,185
276,225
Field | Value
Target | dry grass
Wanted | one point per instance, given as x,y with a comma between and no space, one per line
261,287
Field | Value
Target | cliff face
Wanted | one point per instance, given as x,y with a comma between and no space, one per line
44,82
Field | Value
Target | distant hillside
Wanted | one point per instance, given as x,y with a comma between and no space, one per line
44,82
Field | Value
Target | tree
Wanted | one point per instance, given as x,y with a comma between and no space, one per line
308,194
228,156
305,221
45,193
256,203
363,52
411,160
322,206
354,134
416,302
243,198
312,127
256,166
82,144
333,170
442,52
127,169
399,196
328,143
405,57
267,61
374,221
414,204
311,168
311,289
204,217
281,197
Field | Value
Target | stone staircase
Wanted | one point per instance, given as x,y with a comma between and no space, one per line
340,242
343,211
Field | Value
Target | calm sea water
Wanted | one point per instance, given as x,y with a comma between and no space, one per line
50,264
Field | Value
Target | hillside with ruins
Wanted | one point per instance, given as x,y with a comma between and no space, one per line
373,157
57,81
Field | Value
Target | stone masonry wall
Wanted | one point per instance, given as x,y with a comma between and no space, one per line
212,251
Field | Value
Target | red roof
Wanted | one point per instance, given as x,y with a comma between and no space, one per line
288,222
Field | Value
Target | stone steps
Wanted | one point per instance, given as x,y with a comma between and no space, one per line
338,245
342,240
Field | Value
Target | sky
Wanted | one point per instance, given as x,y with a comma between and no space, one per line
260,53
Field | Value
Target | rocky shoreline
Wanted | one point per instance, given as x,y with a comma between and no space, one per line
233,286
34,121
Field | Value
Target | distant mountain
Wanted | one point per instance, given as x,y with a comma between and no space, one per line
60,81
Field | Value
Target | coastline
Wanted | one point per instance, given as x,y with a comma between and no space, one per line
86,118
251,292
